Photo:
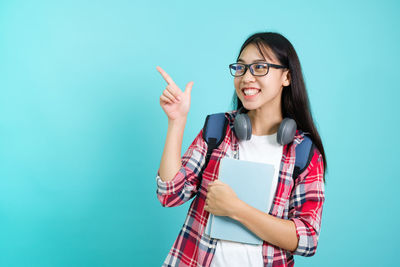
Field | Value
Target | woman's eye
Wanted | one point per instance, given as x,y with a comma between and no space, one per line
260,66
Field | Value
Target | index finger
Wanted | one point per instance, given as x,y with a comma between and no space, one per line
166,77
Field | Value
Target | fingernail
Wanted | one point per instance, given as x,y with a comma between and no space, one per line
179,98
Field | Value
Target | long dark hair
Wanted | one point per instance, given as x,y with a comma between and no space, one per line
295,103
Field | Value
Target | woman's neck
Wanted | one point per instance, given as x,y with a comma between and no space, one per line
265,121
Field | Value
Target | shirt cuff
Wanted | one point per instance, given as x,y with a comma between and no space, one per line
306,245
172,186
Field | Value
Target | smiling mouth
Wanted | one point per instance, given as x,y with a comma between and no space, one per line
250,91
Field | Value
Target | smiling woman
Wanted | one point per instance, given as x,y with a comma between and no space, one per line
268,95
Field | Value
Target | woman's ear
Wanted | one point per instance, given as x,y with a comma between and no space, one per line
286,78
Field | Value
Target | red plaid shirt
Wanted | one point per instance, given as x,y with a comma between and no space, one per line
300,202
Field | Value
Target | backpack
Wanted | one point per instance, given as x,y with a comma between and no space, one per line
214,131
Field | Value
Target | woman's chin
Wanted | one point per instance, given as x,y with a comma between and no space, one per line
249,106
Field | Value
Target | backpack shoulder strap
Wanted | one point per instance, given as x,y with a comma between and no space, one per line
303,156
214,131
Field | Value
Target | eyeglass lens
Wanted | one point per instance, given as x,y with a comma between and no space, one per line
258,69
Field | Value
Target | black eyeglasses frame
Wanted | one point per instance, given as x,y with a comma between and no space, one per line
248,66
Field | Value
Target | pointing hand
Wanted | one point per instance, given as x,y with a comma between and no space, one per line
173,101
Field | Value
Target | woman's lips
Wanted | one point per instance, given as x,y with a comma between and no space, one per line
249,97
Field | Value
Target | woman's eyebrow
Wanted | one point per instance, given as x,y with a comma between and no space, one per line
256,60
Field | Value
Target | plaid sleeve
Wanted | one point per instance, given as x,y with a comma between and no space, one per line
305,208
186,182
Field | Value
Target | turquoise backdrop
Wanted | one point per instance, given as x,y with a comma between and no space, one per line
82,131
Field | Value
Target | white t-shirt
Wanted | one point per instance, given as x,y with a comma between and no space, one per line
263,149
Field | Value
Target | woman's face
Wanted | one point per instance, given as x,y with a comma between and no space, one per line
260,91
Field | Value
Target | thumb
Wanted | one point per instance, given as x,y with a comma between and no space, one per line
188,88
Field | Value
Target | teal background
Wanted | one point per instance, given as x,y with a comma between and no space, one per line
82,132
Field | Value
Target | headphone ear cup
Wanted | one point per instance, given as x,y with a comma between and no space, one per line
286,132
242,126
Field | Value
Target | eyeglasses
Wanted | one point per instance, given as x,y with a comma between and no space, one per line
257,69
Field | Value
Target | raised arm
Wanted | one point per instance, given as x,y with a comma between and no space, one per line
176,105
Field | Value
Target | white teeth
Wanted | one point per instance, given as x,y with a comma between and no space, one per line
251,91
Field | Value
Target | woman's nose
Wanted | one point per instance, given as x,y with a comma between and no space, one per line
248,77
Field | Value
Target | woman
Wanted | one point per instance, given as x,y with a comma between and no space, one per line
269,86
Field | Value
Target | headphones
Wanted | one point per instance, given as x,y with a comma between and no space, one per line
242,128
